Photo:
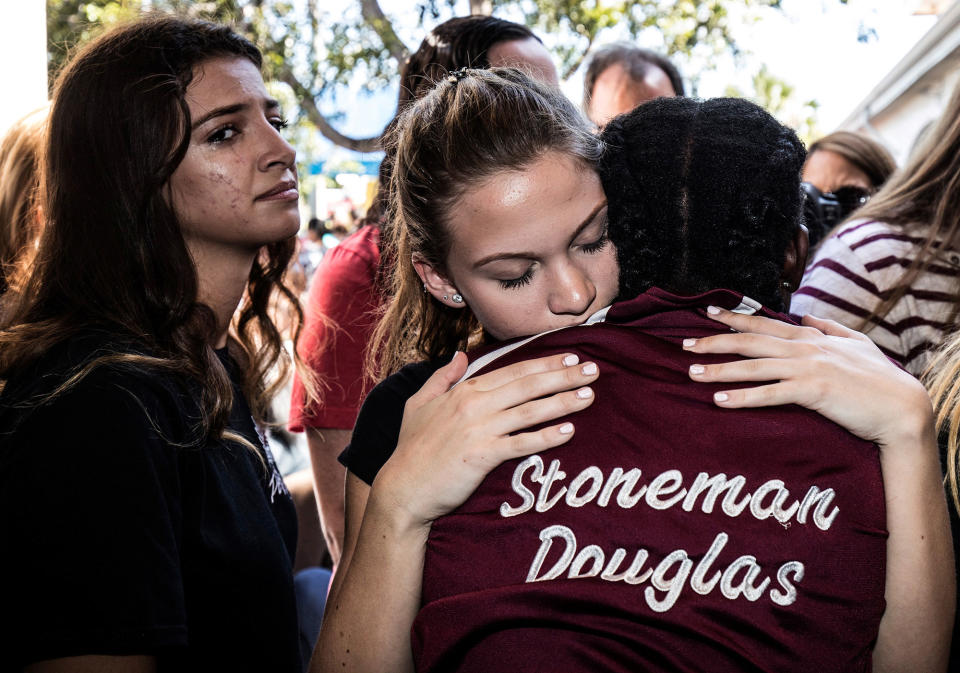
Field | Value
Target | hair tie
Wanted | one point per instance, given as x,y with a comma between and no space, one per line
455,76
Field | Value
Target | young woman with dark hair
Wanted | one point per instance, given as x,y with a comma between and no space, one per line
473,42
504,225
146,526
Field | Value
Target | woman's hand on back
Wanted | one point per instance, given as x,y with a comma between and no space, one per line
822,366
842,375
451,438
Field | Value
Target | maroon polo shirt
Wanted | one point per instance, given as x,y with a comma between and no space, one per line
669,534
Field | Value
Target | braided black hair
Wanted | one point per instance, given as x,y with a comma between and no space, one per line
702,195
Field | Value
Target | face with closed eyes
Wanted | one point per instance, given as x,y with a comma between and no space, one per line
236,188
529,249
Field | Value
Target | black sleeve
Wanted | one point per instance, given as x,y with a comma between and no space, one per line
89,495
378,424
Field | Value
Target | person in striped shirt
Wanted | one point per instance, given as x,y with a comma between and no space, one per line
894,271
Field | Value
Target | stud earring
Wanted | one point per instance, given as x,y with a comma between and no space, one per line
785,285
457,298
445,297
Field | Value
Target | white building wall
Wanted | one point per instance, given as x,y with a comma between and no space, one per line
900,126
913,95
23,59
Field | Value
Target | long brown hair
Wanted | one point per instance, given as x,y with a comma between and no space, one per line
924,196
19,180
111,256
471,126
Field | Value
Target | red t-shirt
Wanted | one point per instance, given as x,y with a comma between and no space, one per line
669,534
340,316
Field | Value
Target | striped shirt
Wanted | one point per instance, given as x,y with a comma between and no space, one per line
860,266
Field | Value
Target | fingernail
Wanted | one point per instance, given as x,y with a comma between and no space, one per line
589,369
713,310
696,369
455,353
689,343
720,397
570,360
584,393
566,428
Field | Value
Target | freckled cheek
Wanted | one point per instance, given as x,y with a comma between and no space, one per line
204,198
224,187
226,176
240,184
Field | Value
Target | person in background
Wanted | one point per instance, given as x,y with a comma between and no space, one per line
843,170
894,270
146,526
337,232
620,76
311,248
342,306
19,179
333,234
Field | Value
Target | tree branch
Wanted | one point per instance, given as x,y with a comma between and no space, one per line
308,104
373,15
572,68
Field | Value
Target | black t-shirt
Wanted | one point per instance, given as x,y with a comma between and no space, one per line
377,429
122,536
